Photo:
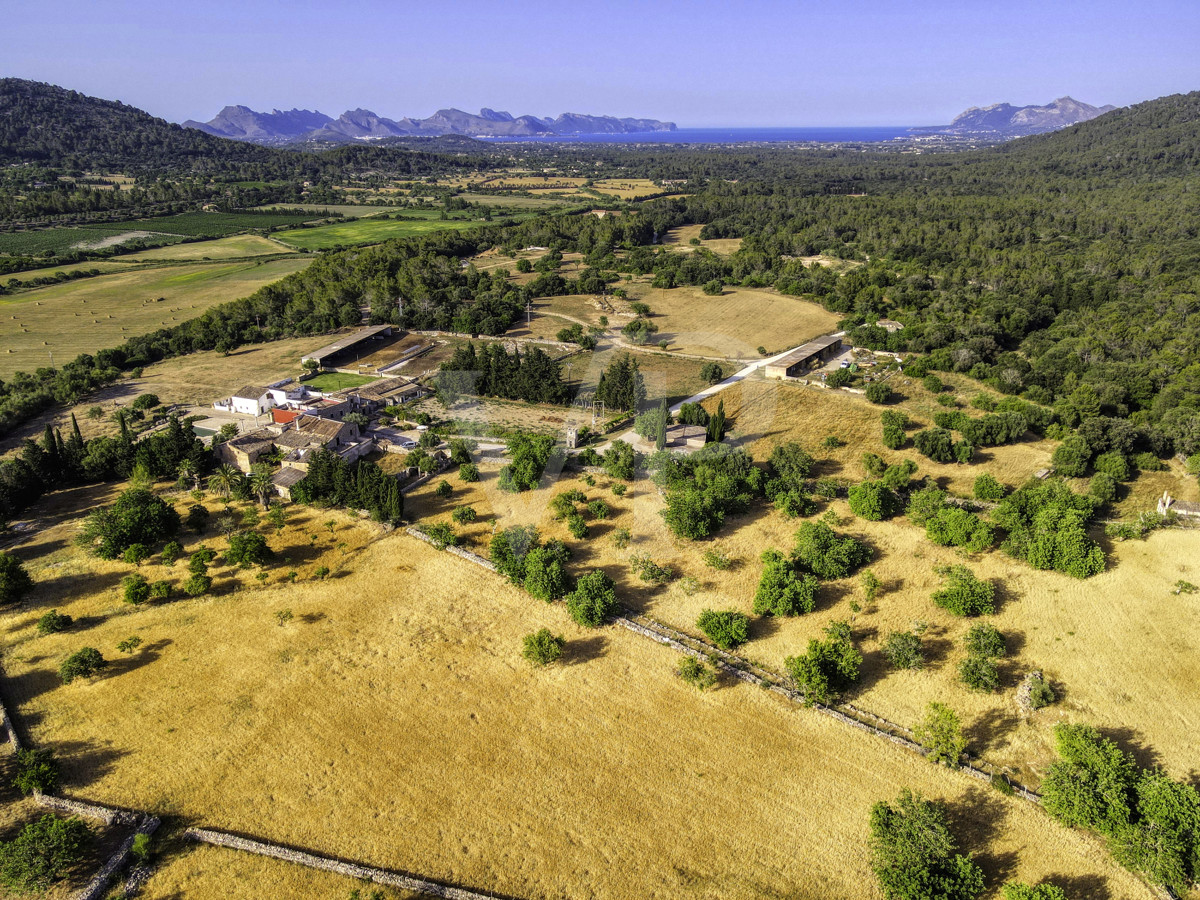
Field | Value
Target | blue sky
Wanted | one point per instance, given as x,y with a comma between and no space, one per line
871,62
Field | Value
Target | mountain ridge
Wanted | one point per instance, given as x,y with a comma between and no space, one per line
240,123
1006,120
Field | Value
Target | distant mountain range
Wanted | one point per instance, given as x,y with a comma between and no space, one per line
1006,120
302,125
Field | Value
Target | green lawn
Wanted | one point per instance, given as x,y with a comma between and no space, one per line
366,231
336,381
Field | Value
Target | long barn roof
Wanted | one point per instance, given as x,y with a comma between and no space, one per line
804,351
347,342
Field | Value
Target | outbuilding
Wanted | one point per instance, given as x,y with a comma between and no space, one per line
807,356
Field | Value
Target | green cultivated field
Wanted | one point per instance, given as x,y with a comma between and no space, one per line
94,313
367,231
336,381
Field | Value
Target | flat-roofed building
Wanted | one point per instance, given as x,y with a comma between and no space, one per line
807,356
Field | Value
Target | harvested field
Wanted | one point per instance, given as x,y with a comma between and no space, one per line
345,209
733,325
103,265
336,731
94,313
512,202
236,247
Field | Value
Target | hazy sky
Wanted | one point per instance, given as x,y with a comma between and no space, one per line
871,62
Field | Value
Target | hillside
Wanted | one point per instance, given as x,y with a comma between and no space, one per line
50,125
1006,120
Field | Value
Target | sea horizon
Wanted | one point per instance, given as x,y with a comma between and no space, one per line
735,135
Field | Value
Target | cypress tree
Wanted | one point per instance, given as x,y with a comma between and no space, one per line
716,425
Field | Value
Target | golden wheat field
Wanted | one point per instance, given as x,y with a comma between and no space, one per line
603,777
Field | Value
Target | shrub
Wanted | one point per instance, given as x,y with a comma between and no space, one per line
792,463
599,509
941,735
197,585
878,392
541,648
546,571
985,640
247,549
827,555
53,622
913,853
826,665
42,853
1103,488
870,585
197,517
874,501
648,570
15,582
321,572
83,663
593,600
902,649
1047,527
1091,785
37,772
726,628
712,373
137,517
1114,464
441,534
141,848
1015,890
936,444
619,461
832,442
464,515
135,554
955,527
963,594
894,423
173,550
135,589
1040,693
1148,462
160,590
925,504
198,562
839,378
933,384
717,559
621,538
782,591
873,464
794,504
988,488
619,489
468,472
979,673
1071,456
577,526
443,489
696,673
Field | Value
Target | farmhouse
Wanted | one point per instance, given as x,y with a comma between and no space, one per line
807,356
354,344
251,400
375,395
285,479
890,325
243,451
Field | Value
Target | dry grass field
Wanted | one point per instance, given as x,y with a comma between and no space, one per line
734,324
627,188
337,732
1084,635
93,313
104,265
681,238
200,872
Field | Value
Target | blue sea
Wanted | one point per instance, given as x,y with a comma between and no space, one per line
724,136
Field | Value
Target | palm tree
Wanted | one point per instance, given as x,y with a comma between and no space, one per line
261,485
223,481
189,473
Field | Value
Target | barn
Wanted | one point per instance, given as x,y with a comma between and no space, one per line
807,356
